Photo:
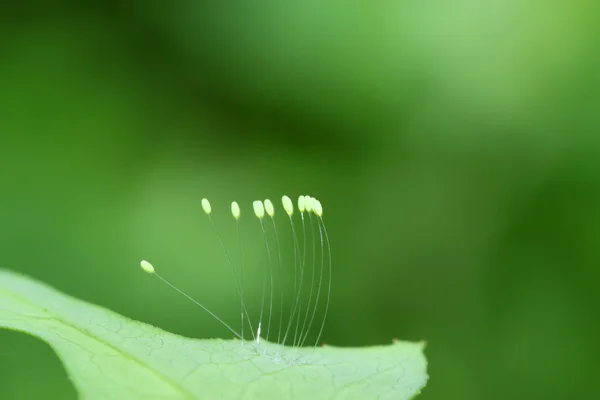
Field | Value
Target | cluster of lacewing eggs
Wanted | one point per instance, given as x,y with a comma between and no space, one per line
306,205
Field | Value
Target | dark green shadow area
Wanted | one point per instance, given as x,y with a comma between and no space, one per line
29,369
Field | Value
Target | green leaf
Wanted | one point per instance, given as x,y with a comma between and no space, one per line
108,356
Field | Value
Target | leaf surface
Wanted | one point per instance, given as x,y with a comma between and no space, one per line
108,356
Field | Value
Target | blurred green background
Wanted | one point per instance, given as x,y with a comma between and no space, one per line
454,146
